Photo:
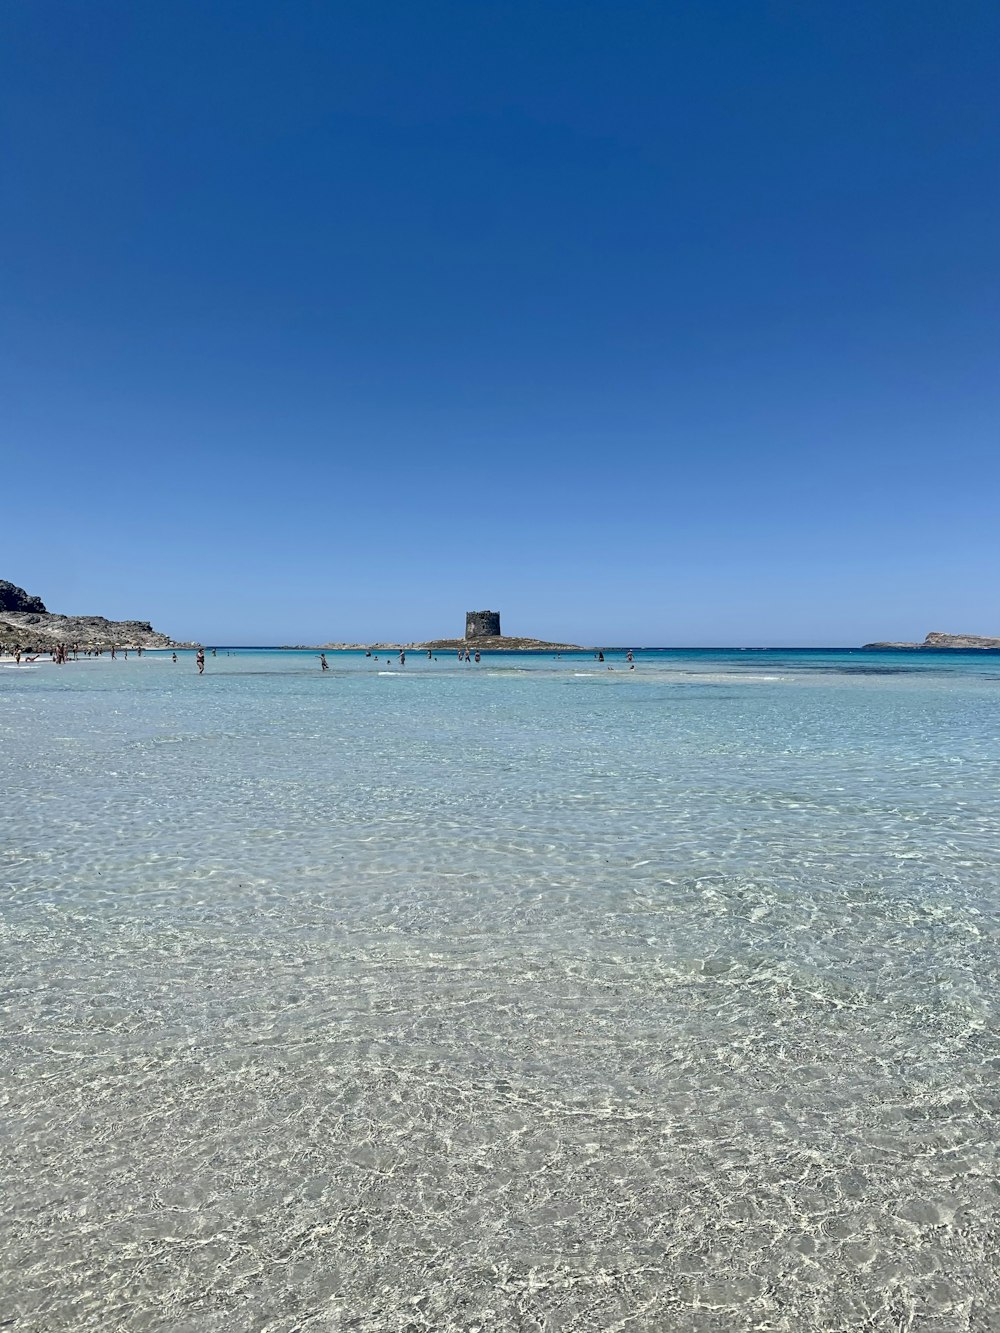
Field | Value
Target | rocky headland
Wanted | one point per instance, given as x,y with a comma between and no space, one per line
26,624
936,641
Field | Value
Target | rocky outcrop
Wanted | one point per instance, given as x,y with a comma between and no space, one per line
499,643
482,634
936,641
13,598
38,633
25,624
493,644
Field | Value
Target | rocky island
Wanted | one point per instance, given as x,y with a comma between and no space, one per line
26,624
482,633
936,641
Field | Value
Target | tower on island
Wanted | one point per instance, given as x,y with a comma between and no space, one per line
482,624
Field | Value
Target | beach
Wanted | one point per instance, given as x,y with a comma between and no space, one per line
521,995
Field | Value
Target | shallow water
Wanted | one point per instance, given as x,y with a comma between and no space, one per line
522,996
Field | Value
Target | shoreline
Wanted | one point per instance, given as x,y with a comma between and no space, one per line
43,655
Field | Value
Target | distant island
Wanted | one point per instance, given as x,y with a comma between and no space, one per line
26,624
937,640
482,634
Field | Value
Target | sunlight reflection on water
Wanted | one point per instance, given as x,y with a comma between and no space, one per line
514,998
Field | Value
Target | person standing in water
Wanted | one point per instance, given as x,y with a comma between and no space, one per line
200,659
323,662
402,657
175,657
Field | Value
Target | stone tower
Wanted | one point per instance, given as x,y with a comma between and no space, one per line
482,624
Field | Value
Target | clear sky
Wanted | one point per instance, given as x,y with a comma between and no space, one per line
655,322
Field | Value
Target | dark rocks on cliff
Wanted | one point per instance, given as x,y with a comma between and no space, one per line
13,598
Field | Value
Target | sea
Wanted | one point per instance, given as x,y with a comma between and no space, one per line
539,994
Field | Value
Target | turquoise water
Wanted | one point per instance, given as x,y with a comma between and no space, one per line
526,996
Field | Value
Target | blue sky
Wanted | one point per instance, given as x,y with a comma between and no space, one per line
665,323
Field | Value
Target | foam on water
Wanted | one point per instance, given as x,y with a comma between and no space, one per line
501,1001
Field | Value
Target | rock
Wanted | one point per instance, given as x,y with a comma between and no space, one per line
937,641
25,624
13,598
500,643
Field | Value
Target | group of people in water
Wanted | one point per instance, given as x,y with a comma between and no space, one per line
466,654
463,655
60,654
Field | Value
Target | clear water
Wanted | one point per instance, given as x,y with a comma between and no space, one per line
522,996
